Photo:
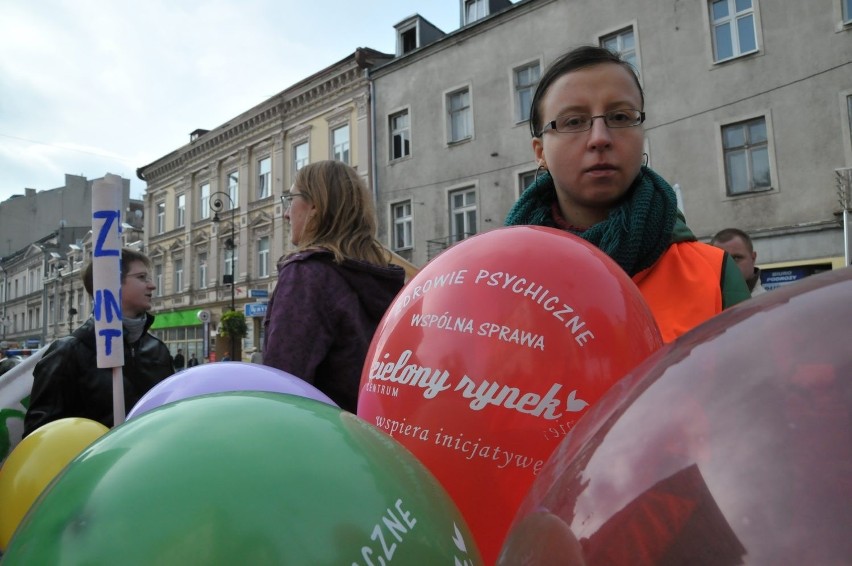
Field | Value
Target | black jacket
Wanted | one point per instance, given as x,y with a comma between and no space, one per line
68,383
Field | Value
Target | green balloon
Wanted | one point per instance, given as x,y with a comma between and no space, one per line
244,478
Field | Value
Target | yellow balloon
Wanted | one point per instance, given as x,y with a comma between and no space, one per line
35,462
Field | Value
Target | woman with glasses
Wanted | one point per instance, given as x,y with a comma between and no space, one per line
587,137
333,290
67,381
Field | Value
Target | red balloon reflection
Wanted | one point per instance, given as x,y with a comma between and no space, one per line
732,445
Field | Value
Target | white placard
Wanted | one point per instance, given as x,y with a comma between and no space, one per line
106,257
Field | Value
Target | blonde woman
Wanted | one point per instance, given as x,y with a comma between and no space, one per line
334,288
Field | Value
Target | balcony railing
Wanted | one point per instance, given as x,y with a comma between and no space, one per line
435,247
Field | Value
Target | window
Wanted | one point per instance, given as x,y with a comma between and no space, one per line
231,263
158,281
402,225
458,108
526,78
462,214
400,143
847,11
746,148
849,112
234,188
178,276
202,270
264,178
475,10
340,144
300,156
181,211
525,180
734,31
204,203
624,43
161,218
263,257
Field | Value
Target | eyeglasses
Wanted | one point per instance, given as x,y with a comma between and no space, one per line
141,276
574,123
287,199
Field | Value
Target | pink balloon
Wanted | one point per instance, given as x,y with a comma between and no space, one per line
220,377
731,445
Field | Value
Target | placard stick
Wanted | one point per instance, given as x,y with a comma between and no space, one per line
106,264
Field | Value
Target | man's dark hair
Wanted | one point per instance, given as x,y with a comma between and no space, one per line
729,234
128,256
579,58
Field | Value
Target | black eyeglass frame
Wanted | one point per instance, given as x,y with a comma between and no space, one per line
606,118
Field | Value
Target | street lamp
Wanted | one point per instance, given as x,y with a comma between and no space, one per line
217,205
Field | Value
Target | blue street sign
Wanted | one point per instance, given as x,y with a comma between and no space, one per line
256,309
258,293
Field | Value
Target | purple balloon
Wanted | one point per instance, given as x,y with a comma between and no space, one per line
222,377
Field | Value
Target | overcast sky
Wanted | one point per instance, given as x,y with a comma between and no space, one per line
90,87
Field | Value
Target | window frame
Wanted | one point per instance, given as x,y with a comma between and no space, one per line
450,113
463,210
393,132
732,19
233,183
618,33
178,276
160,217
343,154
748,149
407,223
158,280
518,89
478,6
204,200
201,273
180,210
306,160
264,178
263,257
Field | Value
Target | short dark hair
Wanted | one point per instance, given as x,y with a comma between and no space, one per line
579,58
128,256
729,234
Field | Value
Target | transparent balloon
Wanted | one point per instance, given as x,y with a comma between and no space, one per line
732,445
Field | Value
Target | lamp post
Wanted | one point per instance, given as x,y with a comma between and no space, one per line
217,205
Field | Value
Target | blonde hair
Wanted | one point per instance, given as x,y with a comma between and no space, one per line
345,219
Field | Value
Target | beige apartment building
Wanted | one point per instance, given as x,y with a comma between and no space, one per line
748,104
215,227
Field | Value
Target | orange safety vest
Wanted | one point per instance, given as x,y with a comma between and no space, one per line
684,287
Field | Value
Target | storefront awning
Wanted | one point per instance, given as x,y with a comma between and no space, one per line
175,319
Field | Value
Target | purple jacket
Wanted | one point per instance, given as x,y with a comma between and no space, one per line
321,318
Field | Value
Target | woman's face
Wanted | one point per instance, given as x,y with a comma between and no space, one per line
591,170
298,213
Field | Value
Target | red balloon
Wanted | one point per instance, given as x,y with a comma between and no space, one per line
488,357
732,445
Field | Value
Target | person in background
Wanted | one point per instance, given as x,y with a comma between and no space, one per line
179,360
333,290
67,381
739,246
192,362
587,137
226,357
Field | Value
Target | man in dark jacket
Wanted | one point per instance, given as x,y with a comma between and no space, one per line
179,360
67,381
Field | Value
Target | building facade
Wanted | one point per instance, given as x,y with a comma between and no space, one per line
41,292
748,109
215,226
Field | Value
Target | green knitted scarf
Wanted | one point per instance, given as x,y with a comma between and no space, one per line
635,234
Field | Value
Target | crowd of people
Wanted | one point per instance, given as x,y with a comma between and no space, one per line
332,290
